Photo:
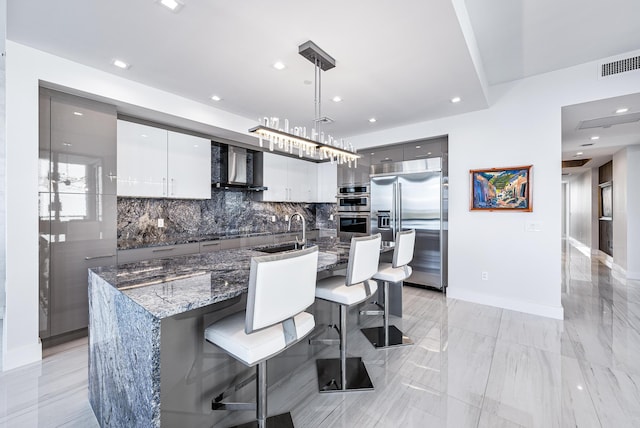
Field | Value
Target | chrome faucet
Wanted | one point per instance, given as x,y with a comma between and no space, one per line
304,233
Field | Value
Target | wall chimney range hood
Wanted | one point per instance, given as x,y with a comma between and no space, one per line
234,168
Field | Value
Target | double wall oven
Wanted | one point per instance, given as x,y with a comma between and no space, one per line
354,210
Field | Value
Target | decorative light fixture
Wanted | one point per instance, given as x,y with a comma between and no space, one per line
314,144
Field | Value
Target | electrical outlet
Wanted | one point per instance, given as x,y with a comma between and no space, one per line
273,219
485,276
286,218
330,217
160,222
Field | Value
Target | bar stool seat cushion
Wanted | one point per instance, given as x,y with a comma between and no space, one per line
229,334
334,289
386,272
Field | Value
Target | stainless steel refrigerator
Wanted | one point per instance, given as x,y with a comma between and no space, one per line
413,195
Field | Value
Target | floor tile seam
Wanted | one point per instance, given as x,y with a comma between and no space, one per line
586,386
486,386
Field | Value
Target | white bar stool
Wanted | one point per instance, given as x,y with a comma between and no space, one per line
348,374
395,272
274,320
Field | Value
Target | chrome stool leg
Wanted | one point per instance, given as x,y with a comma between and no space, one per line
387,335
262,421
343,374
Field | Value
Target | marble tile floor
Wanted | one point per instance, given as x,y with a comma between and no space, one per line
471,366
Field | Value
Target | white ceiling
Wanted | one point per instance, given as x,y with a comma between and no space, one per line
400,62
611,139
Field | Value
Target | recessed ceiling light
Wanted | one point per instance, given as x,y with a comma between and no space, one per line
278,65
336,99
215,98
579,154
120,64
77,113
172,5
622,110
429,153
144,135
66,144
372,153
417,147
372,120
595,137
456,100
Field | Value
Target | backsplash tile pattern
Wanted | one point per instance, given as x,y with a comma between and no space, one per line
226,213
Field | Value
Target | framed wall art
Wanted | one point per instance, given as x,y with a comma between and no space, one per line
501,189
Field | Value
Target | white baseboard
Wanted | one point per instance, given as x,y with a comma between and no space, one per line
14,358
583,248
556,312
633,275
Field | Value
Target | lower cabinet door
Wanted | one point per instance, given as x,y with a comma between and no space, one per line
70,261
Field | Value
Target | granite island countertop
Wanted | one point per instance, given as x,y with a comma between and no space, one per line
166,287
128,244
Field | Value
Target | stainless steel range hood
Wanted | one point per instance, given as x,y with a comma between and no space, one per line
234,168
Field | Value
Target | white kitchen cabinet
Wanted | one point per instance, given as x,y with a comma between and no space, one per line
288,179
327,182
142,160
188,166
156,163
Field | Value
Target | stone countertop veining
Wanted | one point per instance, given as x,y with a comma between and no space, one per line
129,244
166,287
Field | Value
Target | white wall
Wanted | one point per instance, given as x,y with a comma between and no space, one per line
626,212
522,126
633,213
3,28
25,67
620,173
580,211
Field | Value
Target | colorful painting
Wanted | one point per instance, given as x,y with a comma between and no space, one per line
499,189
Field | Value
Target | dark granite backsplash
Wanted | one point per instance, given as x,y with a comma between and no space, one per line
226,213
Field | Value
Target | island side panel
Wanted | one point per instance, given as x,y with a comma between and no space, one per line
124,359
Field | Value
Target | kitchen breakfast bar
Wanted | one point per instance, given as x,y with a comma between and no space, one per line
149,364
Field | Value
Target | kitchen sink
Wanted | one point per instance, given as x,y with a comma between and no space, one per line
278,249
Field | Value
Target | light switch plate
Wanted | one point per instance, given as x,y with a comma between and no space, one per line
160,222
533,226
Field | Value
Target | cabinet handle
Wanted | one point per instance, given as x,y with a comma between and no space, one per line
100,257
172,187
164,186
211,245
162,250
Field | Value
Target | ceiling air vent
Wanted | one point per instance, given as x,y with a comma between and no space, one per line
620,66
574,163
609,121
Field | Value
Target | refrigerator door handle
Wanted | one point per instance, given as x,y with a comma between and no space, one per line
399,208
393,210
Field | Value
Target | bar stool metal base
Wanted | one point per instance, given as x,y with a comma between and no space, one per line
329,375
279,421
376,336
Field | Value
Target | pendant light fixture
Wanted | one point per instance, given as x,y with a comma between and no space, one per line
296,140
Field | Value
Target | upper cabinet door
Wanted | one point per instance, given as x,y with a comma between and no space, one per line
82,145
274,176
299,180
327,182
142,160
189,164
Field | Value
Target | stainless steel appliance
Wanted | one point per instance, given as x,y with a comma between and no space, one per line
353,189
354,203
350,224
412,195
